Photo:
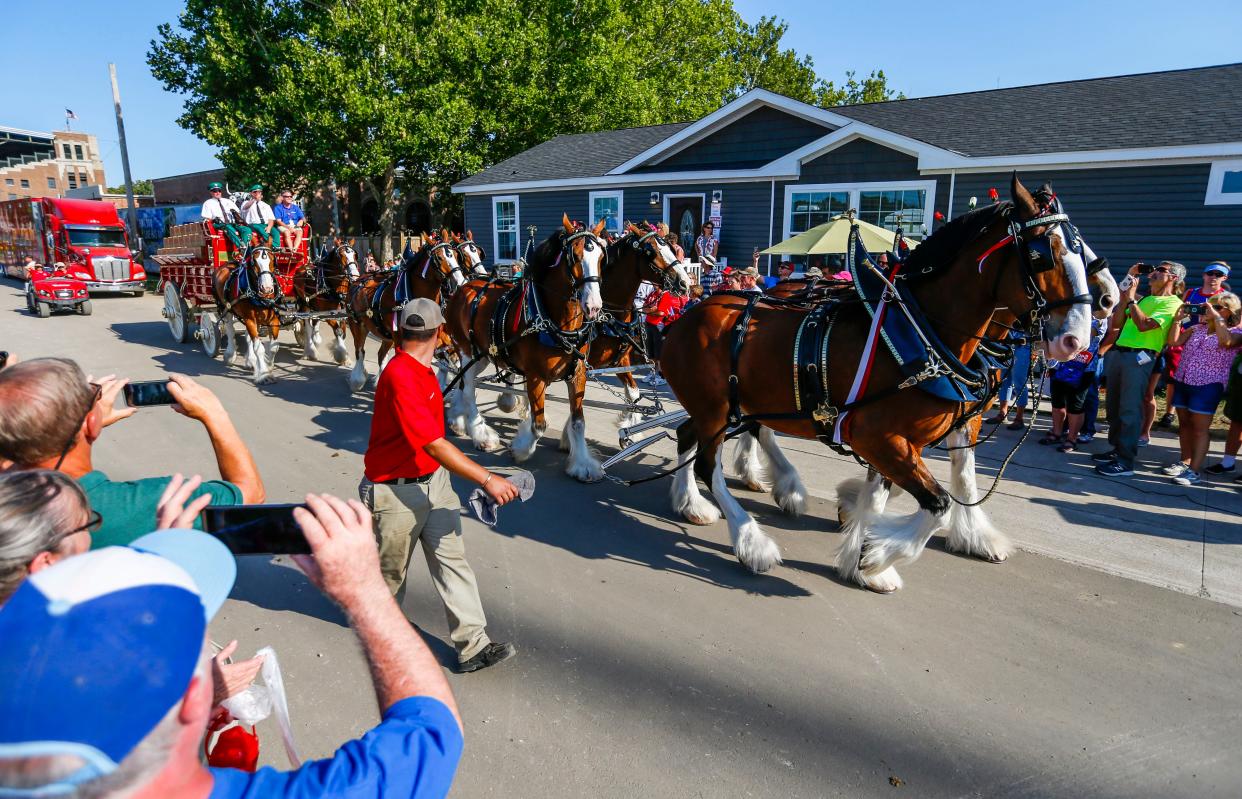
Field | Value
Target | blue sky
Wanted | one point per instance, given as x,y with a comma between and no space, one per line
924,48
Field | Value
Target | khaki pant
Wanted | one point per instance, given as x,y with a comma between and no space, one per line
431,514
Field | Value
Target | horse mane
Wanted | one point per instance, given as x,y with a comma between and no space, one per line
543,256
938,250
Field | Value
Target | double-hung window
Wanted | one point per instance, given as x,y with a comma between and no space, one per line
505,228
609,206
1224,183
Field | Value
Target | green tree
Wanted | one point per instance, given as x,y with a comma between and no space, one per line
394,93
140,187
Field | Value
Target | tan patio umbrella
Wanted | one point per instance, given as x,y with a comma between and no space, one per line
833,237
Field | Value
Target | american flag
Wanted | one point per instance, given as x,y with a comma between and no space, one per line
70,115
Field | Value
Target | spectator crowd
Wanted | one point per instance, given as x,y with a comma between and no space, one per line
96,570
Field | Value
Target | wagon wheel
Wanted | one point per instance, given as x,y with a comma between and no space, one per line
209,334
177,314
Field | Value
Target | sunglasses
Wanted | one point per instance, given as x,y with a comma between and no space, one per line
92,525
217,191
1163,270
64,453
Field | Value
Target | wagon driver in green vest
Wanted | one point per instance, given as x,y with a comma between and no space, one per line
226,217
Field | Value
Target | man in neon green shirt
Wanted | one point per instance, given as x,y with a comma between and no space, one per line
1143,326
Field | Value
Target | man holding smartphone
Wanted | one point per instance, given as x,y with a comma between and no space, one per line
51,418
1138,335
407,486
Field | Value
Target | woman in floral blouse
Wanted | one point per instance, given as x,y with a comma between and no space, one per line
1208,350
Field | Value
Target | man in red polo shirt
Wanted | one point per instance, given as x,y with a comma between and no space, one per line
410,495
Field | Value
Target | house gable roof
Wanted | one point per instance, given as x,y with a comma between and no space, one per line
1189,113
1155,109
574,155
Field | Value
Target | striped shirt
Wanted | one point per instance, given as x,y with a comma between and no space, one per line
710,280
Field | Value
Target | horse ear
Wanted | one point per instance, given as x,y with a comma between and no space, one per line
600,226
565,223
444,234
457,238
469,236
1022,198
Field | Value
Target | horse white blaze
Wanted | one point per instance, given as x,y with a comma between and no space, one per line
456,278
351,262
263,260
1074,334
592,253
682,275
474,260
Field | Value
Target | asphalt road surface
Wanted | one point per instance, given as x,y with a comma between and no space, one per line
651,664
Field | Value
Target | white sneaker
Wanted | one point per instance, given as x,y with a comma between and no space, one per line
1175,469
1188,478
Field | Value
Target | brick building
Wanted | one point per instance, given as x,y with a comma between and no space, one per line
34,164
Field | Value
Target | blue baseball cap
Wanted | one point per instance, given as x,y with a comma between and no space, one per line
1218,266
99,647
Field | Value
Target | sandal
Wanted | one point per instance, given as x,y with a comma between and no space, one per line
1066,446
997,419
1050,439
1016,424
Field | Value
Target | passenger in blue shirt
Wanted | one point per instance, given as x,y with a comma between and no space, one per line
289,220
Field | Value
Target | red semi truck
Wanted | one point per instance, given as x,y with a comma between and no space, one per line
86,235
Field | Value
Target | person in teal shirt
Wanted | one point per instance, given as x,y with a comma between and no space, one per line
54,417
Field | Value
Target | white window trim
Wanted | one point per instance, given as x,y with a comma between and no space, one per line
1215,185
927,186
517,225
702,211
620,198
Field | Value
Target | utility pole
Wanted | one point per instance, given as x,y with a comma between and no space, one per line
120,133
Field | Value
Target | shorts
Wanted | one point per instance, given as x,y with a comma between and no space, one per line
1197,399
1233,394
1071,396
655,340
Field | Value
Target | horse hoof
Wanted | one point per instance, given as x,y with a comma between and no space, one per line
585,474
987,558
755,485
756,550
885,582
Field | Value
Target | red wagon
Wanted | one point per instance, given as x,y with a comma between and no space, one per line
188,262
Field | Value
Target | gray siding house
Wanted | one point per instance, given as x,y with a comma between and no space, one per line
1149,166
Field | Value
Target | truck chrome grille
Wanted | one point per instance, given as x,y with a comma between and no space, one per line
110,268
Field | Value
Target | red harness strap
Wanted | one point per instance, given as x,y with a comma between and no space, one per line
992,249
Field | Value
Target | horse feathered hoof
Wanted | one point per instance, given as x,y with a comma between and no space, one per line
886,582
755,549
585,472
507,403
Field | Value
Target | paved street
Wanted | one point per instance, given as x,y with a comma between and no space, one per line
1103,660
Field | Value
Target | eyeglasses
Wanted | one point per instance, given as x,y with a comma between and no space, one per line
92,525
1163,270
64,453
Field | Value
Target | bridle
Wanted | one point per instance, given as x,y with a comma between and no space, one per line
446,286
469,244
566,256
668,276
1035,256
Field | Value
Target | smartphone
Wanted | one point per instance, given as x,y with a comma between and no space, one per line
148,392
256,529
1145,269
1196,308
